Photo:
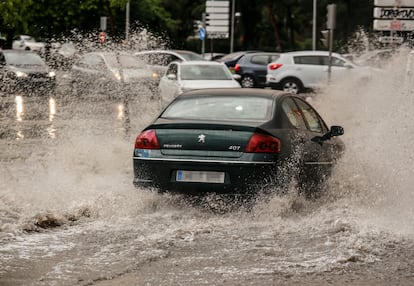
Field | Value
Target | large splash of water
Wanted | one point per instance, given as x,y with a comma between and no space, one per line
87,171
376,174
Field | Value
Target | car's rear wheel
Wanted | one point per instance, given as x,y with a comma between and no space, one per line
247,81
292,85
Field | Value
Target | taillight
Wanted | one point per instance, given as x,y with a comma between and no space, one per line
261,143
237,67
147,140
275,66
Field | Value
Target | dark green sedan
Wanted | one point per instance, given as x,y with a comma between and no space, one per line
236,141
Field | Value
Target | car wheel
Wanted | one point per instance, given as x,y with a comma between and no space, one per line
247,81
292,85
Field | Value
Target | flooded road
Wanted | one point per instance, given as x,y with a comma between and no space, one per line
69,214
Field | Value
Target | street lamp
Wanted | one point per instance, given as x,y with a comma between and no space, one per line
233,5
235,16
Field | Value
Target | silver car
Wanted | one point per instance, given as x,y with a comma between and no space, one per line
110,72
191,75
296,72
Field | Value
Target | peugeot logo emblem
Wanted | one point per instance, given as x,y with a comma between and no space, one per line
201,138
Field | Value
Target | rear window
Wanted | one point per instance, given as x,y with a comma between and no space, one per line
205,72
189,56
260,59
308,60
23,59
221,108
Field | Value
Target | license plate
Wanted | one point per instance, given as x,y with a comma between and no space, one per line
200,176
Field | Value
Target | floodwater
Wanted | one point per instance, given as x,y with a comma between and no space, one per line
69,214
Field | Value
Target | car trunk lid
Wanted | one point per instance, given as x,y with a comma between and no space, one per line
211,142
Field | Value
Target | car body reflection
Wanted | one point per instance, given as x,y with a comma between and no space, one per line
25,117
33,118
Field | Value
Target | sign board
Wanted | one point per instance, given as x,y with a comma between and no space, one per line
202,33
394,13
217,3
391,40
217,18
393,25
218,35
214,10
103,23
394,3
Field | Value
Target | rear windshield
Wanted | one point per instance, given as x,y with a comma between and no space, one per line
189,56
205,72
221,108
24,59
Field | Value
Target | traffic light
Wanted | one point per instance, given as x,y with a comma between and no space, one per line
325,38
331,16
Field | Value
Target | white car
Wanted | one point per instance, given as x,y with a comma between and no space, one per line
296,72
191,75
28,43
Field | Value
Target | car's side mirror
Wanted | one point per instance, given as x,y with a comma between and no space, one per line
171,76
334,131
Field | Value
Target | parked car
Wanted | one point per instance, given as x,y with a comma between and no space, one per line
25,71
62,56
236,141
252,67
190,75
158,60
28,43
109,73
213,56
374,58
230,60
298,71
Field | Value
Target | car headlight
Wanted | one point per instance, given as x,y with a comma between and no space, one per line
51,74
20,74
117,75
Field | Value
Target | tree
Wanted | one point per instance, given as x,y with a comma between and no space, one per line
269,25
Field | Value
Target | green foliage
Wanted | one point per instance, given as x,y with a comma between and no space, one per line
266,24
13,13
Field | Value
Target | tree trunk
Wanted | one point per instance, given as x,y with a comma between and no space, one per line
273,22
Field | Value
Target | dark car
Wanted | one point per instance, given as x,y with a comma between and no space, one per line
235,141
111,73
252,68
230,60
25,71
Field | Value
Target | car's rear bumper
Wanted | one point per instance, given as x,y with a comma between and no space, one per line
239,177
31,86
